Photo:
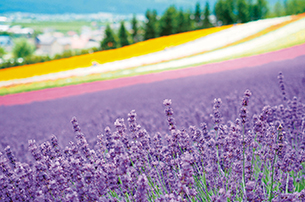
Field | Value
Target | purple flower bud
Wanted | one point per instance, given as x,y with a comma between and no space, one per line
34,150
10,156
75,125
167,102
282,86
169,113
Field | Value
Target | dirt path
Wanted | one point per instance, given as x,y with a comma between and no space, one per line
54,93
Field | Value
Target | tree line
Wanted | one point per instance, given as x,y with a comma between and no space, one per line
175,20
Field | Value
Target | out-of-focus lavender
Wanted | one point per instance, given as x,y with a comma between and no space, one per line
193,102
246,143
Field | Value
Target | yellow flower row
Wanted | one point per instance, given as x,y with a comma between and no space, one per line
134,50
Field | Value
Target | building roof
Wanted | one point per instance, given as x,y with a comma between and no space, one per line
4,28
45,39
64,41
5,41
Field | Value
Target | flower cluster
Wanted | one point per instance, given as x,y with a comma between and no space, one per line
251,158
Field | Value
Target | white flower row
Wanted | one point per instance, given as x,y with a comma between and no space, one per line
173,57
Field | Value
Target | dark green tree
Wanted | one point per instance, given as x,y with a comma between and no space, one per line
188,20
219,8
289,8
151,25
109,41
224,10
260,9
22,48
300,6
294,7
123,35
135,29
250,9
197,13
206,21
229,11
2,52
278,9
182,22
168,22
243,14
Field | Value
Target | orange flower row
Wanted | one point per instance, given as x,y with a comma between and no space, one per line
134,50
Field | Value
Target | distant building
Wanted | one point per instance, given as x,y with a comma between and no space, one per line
49,45
6,42
18,31
4,28
52,44
65,42
92,44
83,42
2,20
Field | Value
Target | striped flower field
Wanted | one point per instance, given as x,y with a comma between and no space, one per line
209,115
165,53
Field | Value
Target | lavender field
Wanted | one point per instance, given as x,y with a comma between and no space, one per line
200,138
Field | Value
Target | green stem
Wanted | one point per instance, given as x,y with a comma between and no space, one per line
121,184
271,188
243,177
161,180
274,159
218,160
252,161
204,181
287,180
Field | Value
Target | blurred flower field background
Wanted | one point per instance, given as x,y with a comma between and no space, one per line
168,52
212,114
